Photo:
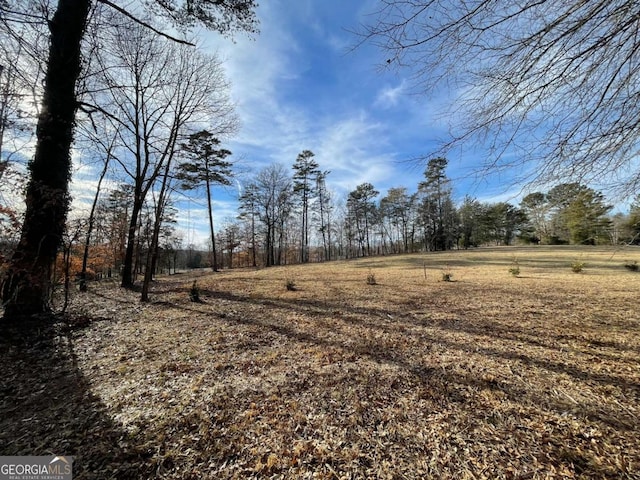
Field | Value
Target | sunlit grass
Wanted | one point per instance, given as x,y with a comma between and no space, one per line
486,376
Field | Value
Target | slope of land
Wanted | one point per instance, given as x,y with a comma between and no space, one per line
487,376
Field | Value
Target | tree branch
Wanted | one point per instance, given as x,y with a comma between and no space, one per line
144,24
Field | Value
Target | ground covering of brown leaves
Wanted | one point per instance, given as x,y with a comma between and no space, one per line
373,368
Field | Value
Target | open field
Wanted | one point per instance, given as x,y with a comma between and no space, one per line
488,376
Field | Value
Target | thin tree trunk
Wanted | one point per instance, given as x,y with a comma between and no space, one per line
87,240
152,254
253,240
27,286
3,116
214,258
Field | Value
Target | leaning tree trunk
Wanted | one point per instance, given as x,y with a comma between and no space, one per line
27,286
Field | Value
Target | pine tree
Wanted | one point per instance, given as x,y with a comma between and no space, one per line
207,167
436,208
305,180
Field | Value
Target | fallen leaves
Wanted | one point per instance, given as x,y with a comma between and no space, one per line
488,377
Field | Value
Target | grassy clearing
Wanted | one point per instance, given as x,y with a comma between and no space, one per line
486,376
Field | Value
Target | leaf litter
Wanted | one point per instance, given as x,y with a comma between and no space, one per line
486,377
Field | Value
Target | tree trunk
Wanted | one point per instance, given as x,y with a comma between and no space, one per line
128,264
26,288
152,254
87,240
253,240
214,258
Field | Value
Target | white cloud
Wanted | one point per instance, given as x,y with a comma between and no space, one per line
390,96
353,149
287,103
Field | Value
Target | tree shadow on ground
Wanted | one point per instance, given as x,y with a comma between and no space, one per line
390,324
376,335
47,407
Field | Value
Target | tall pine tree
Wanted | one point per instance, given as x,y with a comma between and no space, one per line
305,181
206,167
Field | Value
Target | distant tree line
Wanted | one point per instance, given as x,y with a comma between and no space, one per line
290,216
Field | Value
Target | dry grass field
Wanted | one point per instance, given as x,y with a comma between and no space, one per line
487,376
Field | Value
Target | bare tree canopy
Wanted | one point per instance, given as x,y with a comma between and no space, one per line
556,84
27,285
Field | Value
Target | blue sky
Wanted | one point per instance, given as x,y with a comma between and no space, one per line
300,85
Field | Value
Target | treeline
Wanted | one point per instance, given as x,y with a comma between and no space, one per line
289,216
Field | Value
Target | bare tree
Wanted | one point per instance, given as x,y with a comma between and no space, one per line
553,85
272,196
21,69
107,147
361,211
28,281
249,211
231,238
324,212
158,93
397,207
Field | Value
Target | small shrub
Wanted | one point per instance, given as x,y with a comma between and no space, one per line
515,268
290,285
632,266
194,293
371,279
577,266
447,274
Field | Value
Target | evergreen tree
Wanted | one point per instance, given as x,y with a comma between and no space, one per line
586,218
437,211
305,181
361,212
470,212
578,214
633,222
206,167
504,222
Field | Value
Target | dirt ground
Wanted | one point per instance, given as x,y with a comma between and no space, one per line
370,368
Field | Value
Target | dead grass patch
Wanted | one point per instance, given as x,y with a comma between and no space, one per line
490,376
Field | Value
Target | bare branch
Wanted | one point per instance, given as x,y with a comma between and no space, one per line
555,84
145,24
